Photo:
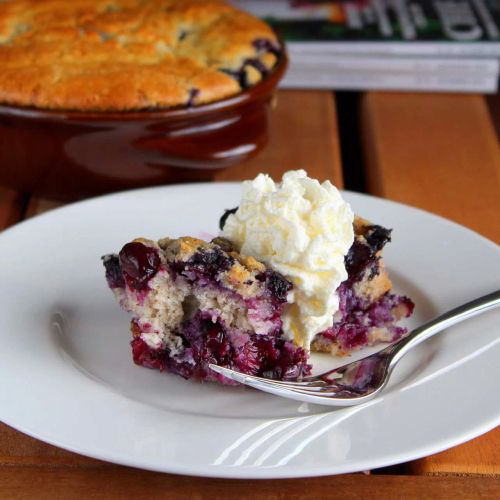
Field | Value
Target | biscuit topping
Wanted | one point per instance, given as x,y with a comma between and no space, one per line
129,54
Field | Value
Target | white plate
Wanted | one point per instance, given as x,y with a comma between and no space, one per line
66,375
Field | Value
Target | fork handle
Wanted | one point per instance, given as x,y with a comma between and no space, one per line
456,315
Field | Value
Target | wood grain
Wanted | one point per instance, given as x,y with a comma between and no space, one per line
440,153
37,206
11,206
19,449
478,457
437,152
120,482
303,134
493,102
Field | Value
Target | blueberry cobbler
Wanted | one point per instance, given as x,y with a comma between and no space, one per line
123,55
293,270
195,303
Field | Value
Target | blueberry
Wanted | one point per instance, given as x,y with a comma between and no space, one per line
261,45
139,264
114,274
239,75
258,65
217,343
225,215
205,263
276,284
377,237
266,45
357,259
364,252
193,94
146,356
209,262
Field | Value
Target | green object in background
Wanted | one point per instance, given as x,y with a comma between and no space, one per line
391,20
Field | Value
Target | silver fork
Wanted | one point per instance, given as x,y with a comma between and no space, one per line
361,380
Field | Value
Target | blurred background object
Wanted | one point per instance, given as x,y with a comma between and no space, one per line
418,45
99,96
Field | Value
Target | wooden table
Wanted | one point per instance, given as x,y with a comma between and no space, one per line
437,152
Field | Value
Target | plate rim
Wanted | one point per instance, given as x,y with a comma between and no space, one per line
124,193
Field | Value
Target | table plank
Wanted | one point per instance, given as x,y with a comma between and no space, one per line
493,102
437,152
11,207
18,449
303,134
37,206
120,482
480,456
440,153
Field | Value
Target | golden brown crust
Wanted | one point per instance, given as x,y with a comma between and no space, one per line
322,344
242,274
126,54
361,225
247,261
374,288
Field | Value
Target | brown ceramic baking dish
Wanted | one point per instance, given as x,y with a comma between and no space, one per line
70,154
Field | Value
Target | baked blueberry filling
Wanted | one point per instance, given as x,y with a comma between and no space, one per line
240,76
139,263
361,318
376,237
207,342
114,274
193,94
205,264
276,285
262,46
258,65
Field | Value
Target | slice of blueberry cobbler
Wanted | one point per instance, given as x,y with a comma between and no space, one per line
194,303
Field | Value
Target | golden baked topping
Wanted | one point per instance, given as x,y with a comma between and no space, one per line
129,54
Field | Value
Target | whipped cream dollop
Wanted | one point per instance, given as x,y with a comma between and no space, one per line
302,229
